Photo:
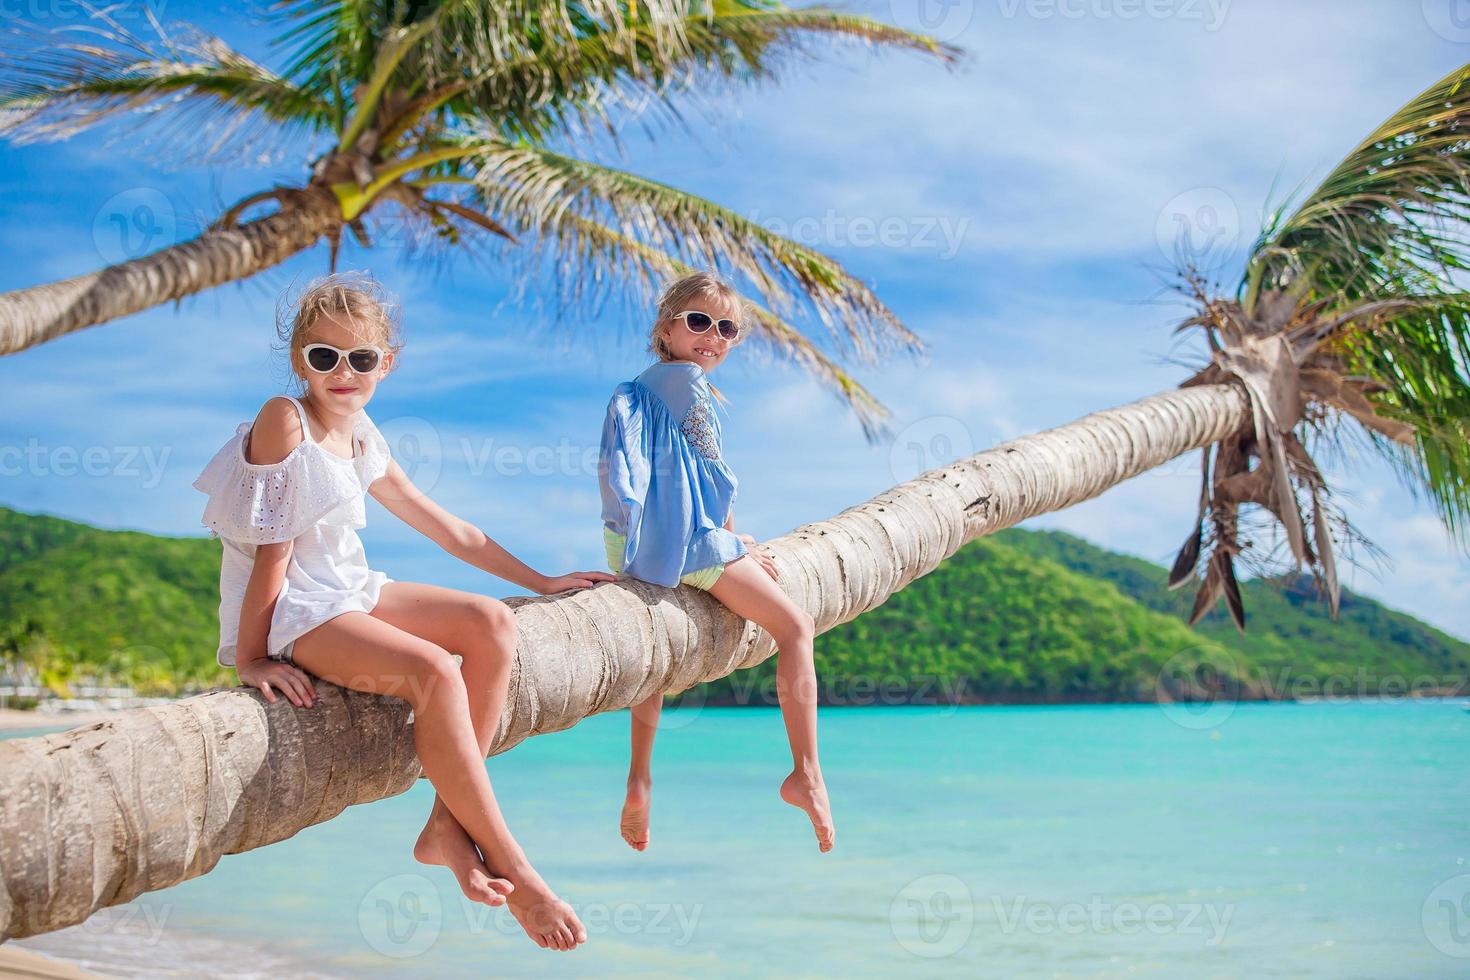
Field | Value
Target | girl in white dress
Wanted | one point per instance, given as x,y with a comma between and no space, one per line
298,599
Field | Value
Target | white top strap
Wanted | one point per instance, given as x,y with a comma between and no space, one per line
301,413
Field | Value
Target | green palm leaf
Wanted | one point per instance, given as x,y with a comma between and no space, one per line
204,84
1386,232
527,186
464,114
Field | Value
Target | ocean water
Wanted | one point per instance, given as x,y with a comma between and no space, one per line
1253,840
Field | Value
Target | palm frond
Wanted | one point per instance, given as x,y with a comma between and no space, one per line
1417,360
585,264
1390,218
1375,253
530,187
215,97
598,73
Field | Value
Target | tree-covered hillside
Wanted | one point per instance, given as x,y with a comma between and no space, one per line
1021,616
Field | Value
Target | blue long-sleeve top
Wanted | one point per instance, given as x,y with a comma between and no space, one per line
665,485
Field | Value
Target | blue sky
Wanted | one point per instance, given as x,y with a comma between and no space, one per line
1018,212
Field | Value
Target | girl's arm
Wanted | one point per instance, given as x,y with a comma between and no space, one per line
259,604
277,431
395,491
765,560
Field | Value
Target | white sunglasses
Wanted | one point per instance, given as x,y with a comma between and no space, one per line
324,358
699,322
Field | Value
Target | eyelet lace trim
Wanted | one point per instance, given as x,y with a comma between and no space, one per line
699,428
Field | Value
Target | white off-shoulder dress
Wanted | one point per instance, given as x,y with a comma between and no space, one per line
312,498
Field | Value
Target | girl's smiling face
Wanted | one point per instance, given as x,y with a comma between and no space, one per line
342,390
706,349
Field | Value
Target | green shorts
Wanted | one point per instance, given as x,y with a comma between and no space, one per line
700,578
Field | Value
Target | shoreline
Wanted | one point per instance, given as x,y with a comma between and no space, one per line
15,720
20,963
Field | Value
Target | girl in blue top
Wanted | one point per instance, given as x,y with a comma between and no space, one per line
667,498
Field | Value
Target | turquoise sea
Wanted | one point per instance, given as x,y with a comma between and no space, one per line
1254,840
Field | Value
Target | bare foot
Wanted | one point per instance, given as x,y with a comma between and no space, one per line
634,823
549,921
809,793
445,843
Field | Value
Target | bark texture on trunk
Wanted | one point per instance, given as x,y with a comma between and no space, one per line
40,313
98,815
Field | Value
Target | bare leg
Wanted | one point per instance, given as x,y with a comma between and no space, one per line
367,654
747,590
634,822
483,632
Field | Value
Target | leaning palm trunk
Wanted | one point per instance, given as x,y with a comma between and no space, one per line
98,815
220,255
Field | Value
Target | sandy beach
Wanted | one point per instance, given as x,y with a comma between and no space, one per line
22,963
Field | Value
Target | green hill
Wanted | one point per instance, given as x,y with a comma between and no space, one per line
1290,639
122,606
1021,616
1041,616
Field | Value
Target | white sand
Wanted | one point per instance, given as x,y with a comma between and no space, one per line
18,962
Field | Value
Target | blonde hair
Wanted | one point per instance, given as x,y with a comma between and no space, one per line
675,298
353,295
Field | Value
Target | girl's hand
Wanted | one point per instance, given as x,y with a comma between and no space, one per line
264,674
574,580
764,560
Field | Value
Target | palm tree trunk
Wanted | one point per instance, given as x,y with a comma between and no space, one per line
33,316
98,815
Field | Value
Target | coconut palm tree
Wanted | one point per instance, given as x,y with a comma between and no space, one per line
464,117
1347,314
1348,323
